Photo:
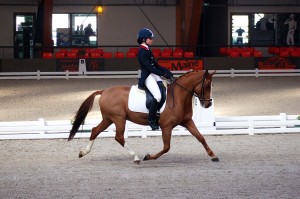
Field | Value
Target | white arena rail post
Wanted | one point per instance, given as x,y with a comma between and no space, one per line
126,130
67,74
42,125
256,72
38,74
251,126
232,72
144,131
283,119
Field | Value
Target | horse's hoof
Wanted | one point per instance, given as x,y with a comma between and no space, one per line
147,157
137,161
215,159
80,154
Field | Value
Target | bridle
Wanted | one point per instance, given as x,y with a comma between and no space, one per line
201,96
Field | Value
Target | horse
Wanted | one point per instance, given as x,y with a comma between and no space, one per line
178,111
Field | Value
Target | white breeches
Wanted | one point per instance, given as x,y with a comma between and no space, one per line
151,84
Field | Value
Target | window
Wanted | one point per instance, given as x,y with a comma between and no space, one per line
60,29
69,29
240,30
262,29
80,35
263,21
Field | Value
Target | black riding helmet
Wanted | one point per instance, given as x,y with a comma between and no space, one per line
144,34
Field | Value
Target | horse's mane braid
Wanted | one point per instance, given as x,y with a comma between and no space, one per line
187,73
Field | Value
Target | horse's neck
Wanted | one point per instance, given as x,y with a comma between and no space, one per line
181,93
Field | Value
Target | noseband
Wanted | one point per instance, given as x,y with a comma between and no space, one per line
201,96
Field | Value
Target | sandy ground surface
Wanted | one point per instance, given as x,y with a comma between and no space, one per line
260,166
22,100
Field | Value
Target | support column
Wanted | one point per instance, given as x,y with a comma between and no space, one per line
188,18
47,37
43,34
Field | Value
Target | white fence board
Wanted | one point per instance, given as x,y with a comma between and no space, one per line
251,125
134,74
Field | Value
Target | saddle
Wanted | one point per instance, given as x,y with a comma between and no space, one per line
140,100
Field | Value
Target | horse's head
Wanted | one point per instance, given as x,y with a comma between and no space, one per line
203,89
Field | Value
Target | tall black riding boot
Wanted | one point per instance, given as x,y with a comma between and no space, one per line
152,115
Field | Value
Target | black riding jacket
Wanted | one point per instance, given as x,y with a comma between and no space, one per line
148,65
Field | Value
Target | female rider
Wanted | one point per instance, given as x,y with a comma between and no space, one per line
150,73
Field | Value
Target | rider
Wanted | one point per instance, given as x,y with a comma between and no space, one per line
150,73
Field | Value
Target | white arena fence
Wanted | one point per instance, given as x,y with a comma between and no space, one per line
83,74
205,119
249,125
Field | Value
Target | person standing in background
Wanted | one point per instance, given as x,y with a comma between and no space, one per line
292,26
88,32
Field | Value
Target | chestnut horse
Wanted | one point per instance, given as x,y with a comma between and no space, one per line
178,111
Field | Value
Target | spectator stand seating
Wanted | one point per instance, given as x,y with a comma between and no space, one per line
289,51
295,52
107,55
60,55
47,55
133,50
188,54
72,54
156,52
177,54
284,51
180,50
257,53
94,53
97,50
119,55
166,54
131,55
63,50
240,52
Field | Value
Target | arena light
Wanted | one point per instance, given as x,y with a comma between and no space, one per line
100,9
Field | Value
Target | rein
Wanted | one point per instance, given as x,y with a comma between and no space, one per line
191,92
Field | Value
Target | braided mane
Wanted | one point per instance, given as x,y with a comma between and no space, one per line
187,73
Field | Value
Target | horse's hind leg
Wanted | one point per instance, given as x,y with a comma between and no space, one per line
104,124
120,128
191,127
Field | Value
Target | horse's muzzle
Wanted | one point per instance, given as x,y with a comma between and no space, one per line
206,103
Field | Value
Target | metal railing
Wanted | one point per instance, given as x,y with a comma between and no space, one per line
134,74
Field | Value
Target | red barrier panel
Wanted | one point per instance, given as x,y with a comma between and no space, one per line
182,64
276,63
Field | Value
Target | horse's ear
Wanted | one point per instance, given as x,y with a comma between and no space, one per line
214,72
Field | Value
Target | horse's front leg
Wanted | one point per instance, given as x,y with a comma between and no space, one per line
191,127
166,136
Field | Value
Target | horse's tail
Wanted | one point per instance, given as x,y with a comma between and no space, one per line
81,114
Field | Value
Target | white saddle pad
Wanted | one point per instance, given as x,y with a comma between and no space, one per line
137,100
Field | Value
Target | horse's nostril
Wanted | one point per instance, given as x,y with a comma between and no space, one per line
208,105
